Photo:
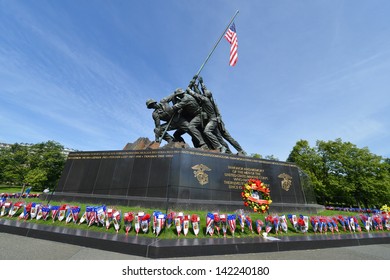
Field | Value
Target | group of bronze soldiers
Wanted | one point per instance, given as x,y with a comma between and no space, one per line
193,111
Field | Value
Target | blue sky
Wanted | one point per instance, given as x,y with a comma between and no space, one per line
79,72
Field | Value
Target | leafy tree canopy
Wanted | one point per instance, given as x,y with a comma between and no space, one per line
342,173
38,165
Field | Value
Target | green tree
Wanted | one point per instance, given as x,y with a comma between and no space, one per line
14,163
47,160
271,157
355,175
343,173
256,155
311,164
39,165
36,178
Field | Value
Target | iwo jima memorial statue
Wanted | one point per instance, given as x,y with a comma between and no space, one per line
176,176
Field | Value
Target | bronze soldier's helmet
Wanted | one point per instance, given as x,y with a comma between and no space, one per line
179,91
149,102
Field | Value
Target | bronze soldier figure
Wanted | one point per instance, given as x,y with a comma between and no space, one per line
221,126
165,113
187,108
210,120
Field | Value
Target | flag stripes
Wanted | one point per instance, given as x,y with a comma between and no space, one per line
231,37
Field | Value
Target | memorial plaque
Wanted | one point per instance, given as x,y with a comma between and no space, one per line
176,178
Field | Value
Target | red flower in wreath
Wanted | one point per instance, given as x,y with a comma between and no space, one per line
256,195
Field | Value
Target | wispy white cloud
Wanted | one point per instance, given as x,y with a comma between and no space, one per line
355,71
92,95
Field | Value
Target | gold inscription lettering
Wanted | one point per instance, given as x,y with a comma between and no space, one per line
238,175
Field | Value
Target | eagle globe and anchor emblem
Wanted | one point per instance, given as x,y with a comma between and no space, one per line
200,173
286,182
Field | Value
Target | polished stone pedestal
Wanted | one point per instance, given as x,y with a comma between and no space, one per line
179,179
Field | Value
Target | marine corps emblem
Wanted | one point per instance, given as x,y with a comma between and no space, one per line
199,173
286,182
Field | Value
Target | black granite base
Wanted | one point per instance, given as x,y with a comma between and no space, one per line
182,247
179,179
176,203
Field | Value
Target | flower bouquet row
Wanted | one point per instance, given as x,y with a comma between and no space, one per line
19,195
216,223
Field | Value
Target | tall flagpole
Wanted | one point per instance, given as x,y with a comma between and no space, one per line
216,44
201,67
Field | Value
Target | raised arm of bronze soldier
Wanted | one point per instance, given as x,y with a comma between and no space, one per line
196,89
195,93
171,97
204,89
209,95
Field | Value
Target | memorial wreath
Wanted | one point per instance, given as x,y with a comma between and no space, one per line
256,195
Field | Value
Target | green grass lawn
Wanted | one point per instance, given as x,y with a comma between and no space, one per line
10,189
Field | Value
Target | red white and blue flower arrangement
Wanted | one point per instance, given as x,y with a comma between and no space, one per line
220,224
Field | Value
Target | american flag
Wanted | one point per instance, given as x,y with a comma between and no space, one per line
231,37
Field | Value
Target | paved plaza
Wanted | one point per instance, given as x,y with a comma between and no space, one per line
15,247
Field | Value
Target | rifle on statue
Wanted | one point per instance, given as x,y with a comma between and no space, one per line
167,127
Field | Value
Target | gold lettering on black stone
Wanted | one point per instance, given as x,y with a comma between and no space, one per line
237,176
